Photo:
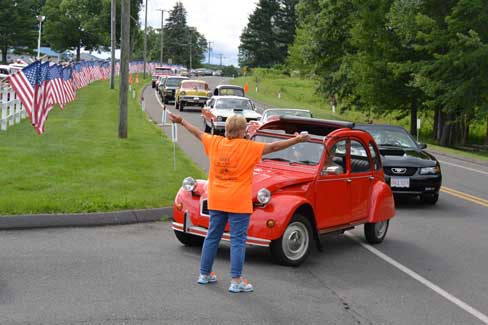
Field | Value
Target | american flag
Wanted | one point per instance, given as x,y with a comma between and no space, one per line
43,99
57,91
25,85
68,87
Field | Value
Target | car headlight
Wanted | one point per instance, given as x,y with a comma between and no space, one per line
209,94
189,184
183,93
264,196
430,170
220,118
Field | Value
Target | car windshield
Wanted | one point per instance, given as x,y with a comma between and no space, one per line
194,85
305,153
283,112
392,137
231,92
173,82
163,70
233,103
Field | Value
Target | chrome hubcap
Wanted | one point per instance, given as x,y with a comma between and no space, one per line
295,241
380,228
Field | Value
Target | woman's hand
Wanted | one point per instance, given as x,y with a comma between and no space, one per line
175,118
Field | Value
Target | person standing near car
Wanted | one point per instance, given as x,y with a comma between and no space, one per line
232,160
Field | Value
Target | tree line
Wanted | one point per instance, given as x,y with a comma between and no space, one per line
85,24
402,56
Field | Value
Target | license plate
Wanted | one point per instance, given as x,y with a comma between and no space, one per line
400,182
195,99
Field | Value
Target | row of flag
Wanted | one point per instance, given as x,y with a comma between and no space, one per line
41,85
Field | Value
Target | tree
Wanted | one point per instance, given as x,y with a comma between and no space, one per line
84,23
322,46
456,76
17,25
180,40
259,45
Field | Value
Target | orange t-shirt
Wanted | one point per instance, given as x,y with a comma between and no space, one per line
230,176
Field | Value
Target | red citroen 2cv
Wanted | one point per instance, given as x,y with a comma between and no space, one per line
329,184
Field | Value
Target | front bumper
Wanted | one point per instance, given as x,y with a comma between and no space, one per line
418,185
193,100
188,227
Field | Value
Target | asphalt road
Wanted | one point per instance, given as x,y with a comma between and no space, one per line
431,269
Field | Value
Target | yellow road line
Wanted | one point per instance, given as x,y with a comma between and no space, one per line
465,196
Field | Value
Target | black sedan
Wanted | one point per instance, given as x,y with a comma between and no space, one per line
409,170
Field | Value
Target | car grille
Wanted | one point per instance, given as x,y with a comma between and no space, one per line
204,208
397,171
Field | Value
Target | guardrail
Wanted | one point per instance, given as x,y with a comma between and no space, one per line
11,110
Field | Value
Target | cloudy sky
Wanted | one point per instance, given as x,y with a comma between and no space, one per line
220,21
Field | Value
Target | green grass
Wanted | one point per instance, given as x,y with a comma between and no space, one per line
300,93
80,164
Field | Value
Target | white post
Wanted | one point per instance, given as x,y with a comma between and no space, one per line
333,109
133,94
3,113
174,138
164,117
16,106
418,129
11,107
143,107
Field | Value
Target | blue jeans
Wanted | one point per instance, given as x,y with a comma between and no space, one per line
239,222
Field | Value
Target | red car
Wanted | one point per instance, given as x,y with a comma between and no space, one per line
330,184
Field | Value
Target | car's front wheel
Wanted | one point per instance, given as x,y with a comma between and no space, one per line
293,248
375,232
189,239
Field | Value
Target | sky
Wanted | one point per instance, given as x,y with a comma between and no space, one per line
220,21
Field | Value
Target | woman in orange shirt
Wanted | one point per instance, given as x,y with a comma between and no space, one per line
232,160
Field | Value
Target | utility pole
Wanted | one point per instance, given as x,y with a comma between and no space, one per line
190,42
124,68
220,56
209,50
145,42
113,32
162,35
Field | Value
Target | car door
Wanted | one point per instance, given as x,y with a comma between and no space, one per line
361,178
332,197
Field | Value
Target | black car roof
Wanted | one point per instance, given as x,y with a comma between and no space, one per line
315,126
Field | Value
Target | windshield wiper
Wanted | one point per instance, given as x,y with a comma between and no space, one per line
305,162
276,159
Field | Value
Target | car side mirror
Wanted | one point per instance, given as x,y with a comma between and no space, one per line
331,170
422,146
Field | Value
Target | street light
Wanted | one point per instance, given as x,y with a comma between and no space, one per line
162,37
40,19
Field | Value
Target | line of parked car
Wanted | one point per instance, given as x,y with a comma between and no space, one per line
347,175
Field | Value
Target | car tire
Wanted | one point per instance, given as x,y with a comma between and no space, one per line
294,246
375,232
189,239
182,107
177,105
430,198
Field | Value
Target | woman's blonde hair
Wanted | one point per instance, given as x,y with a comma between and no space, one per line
235,126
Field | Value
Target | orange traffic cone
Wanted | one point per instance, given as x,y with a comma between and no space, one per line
246,87
130,79
137,79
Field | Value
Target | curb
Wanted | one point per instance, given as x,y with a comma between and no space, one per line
33,221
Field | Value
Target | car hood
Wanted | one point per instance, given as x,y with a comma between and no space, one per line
248,113
396,156
274,179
